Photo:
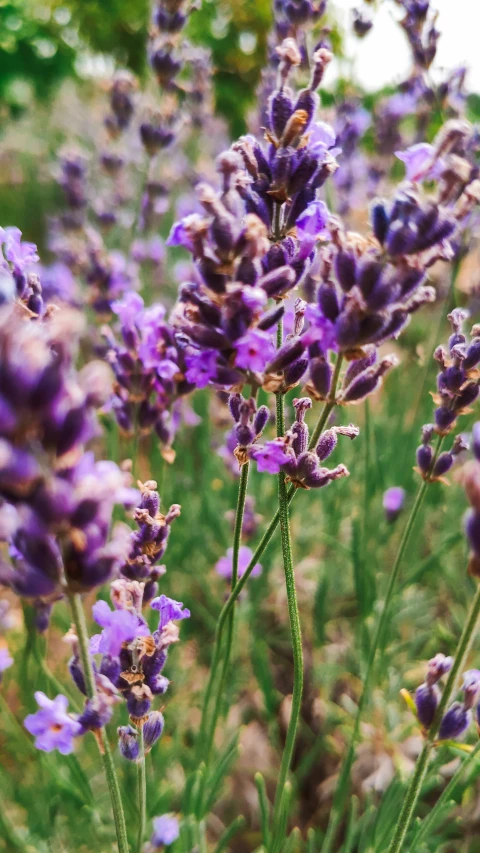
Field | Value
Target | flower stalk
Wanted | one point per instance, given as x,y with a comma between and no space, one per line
342,786
296,634
110,772
416,782
142,789
328,406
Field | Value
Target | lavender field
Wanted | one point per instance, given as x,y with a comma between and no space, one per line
239,431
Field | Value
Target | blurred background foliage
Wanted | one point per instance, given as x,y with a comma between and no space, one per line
42,43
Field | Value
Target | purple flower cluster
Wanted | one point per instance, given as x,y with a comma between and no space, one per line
458,717
57,501
457,390
291,455
151,370
18,276
149,542
132,657
131,663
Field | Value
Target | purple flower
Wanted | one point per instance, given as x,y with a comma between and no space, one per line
393,501
321,330
182,232
271,456
51,726
224,566
419,161
311,224
201,367
471,687
6,659
321,136
254,350
119,626
129,309
165,830
167,369
20,254
169,610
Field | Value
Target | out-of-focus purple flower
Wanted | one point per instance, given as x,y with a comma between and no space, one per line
119,626
311,225
476,440
270,456
20,254
420,161
224,566
254,350
455,722
393,502
321,137
321,330
6,659
471,687
52,726
166,830
201,367
128,744
181,233
427,695
169,610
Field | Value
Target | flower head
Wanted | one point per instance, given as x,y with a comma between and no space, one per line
224,566
165,830
270,456
169,610
254,350
119,626
393,502
52,726
6,659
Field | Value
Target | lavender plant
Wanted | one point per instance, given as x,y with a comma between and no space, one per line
278,297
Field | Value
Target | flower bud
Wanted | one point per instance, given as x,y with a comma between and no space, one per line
455,722
393,502
290,351
443,464
278,282
380,220
427,698
260,420
152,729
128,742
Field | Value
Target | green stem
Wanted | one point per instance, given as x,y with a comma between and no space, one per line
142,790
261,547
428,824
88,674
416,782
342,785
296,634
237,538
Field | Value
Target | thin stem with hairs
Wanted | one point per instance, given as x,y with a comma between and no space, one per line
110,772
142,789
296,635
237,538
428,824
341,792
328,406
416,782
